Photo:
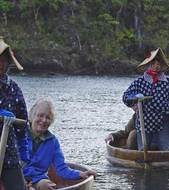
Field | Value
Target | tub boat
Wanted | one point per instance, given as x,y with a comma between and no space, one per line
81,184
119,155
62,184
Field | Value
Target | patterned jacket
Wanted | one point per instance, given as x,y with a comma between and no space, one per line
11,99
156,109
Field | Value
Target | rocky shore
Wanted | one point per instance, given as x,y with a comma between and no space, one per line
68,62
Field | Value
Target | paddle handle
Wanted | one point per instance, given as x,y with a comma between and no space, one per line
143,134
19,122
135,99
4,138
141,115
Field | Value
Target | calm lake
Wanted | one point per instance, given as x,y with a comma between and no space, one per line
87,110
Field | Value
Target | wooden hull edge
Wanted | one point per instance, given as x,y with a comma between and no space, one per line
80,184
127,158
132,164
87,184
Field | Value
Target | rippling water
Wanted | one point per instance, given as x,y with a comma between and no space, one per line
87,110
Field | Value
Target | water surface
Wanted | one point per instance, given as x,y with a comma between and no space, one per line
87,110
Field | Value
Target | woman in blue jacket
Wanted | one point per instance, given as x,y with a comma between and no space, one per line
45,150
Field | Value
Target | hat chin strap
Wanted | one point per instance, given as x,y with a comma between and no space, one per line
15,60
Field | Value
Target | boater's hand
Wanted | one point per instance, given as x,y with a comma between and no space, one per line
29,186
109,138
86,174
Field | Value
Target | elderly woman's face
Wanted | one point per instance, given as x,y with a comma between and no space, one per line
3,64
42,119
155,65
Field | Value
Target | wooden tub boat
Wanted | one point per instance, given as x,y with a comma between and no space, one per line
118,155
62,184
82,184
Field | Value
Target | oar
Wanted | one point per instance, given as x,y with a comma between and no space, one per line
4,138
143,135
19,122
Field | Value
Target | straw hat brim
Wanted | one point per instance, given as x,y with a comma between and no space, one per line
5,47
158,52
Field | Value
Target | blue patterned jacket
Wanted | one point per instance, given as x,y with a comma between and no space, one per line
11,99
156,109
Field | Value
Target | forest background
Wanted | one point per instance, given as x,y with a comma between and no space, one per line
84,36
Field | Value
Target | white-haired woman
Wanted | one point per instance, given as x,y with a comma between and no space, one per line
45,149
156,84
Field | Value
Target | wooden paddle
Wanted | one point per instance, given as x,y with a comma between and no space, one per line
4,138
143,135
19,122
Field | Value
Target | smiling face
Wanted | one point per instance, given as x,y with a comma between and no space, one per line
42,118
156,65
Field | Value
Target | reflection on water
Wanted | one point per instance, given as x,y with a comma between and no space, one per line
88,109
139,179
151,180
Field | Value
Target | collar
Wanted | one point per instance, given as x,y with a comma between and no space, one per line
161,77
42,137
37,137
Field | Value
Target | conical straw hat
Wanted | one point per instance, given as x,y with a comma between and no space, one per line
153,54
6,47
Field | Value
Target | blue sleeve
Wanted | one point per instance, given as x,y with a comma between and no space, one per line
21,132
23,149
61,167
130,93
6,113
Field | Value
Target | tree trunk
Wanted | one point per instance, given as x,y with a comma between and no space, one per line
138,16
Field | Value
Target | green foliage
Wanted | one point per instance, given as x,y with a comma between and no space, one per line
28,4
156,23
5,6
31,5
124,35
160,39
111,26
119,2
108,19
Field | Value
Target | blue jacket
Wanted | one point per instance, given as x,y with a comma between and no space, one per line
48,154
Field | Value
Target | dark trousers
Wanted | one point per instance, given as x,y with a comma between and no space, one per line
160,139
13,179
